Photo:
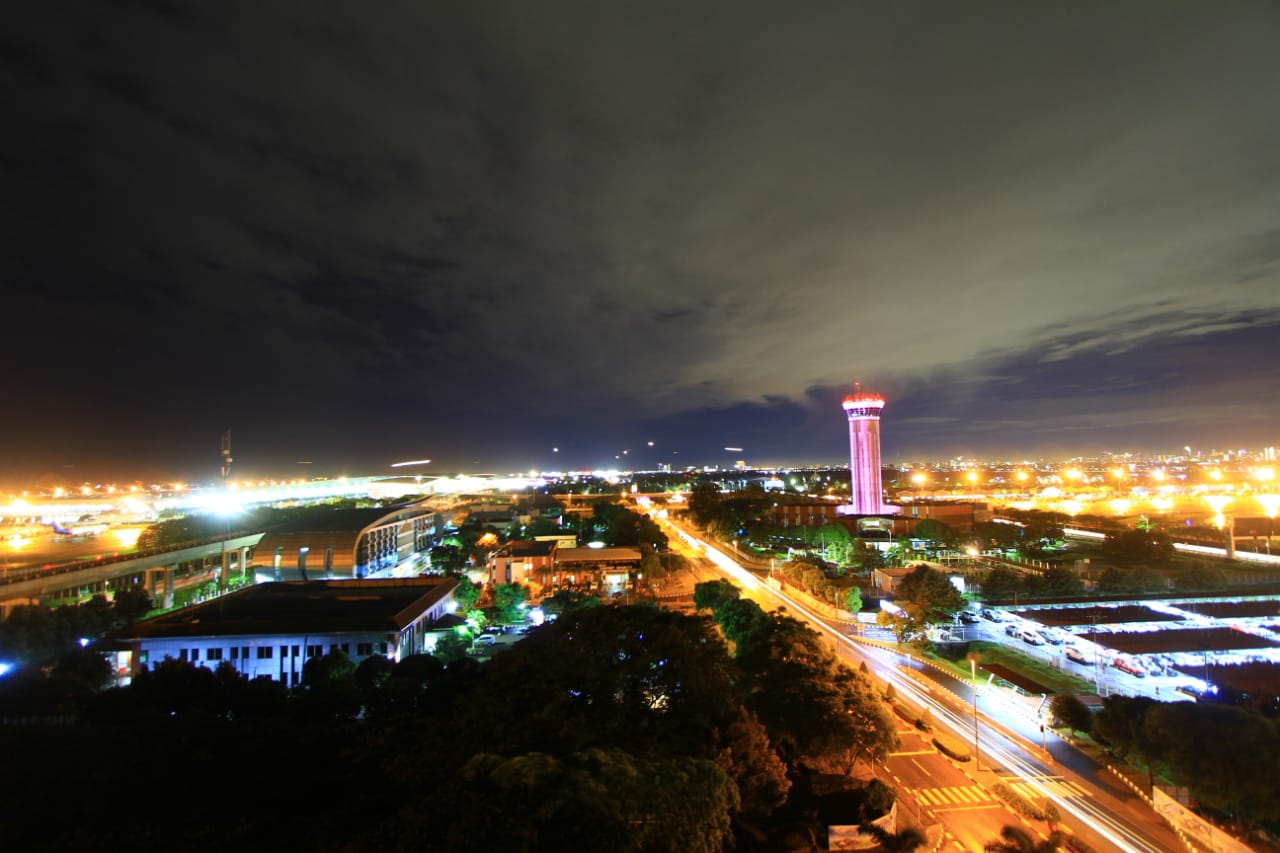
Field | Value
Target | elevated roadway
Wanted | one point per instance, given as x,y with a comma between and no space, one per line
156,568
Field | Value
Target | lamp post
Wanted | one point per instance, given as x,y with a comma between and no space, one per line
973,669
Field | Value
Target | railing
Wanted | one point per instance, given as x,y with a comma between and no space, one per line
12,576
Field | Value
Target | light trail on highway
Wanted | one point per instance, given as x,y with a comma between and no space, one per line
996,749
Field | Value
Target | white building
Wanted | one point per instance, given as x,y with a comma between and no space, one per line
273,629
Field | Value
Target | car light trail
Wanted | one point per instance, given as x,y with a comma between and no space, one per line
996,747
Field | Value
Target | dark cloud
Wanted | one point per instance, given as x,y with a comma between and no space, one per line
474,233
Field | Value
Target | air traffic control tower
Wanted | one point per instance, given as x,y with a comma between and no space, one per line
863,411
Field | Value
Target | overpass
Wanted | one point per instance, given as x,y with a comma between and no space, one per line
156,569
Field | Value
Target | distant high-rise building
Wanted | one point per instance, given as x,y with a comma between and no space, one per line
867,495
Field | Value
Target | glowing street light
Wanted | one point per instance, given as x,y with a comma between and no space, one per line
918,478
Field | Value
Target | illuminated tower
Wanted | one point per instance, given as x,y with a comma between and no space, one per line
863,411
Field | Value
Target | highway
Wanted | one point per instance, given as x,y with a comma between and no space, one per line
1093,804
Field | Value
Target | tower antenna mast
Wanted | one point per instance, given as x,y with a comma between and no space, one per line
226,454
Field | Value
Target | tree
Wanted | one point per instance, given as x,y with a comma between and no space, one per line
1001,584
1200,577
853,599
904,840
935,532
451,646
590,800
704,503
1071,712
86,666
900,622
1130,547
813,706
465,594
568,600
1062,582
712,595
1015,839
323,670
929,596
1225,755
132,604
507,600
742,620
837,543
1121,725
865,557
374,672
447,558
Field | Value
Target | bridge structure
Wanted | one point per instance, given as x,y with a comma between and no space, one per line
156,569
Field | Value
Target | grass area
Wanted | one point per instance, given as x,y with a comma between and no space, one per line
1054,679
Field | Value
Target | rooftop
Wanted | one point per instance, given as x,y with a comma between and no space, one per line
299,607
335,520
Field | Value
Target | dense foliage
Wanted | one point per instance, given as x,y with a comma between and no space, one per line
614,727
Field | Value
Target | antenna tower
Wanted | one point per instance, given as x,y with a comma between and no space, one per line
226,454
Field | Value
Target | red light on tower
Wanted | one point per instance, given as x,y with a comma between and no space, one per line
863,412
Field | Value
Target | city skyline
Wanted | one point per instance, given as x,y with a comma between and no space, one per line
537,238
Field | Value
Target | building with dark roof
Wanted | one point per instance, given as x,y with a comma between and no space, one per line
347,542
606,570
518,561
272,629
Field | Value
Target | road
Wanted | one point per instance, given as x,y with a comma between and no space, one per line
1093,805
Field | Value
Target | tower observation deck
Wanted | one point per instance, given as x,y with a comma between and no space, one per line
866,492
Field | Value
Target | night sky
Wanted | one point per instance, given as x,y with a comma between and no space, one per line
368,232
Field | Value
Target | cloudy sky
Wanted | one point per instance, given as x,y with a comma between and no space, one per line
474,232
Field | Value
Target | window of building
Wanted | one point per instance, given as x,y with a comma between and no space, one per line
346,648
295,651
182,654
315,651
364,649
235,653
213,654
264,652
382,647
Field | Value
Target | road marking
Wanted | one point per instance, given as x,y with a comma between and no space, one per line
913,752
1057,787
955,795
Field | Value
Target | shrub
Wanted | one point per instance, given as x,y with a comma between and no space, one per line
951,750
1021,804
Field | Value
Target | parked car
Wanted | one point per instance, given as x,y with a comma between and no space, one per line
968,617
1076,655
1053,637
991,615
1031,637
484,640
1013,630
1129,667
